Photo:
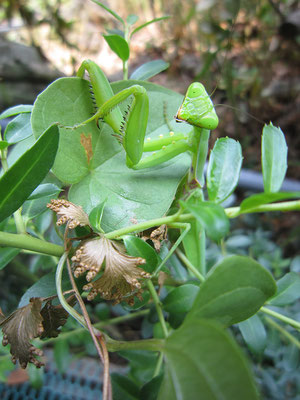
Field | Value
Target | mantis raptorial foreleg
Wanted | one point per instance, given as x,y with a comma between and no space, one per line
197,110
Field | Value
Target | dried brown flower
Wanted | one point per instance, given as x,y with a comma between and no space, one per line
69,212
120,279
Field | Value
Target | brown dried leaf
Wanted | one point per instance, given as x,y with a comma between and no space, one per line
86,142
156,236
19,328
54,317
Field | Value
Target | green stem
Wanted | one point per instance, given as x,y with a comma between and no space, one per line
158,364
233,212
283,318
190,266
28,242
283,331
79,318
147,344
157,304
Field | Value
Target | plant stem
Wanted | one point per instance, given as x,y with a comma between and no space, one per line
283,318
233,212
28,242
157,304
158,364
283,331
146,344
190,266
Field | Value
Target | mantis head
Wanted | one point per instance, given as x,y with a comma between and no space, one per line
197,108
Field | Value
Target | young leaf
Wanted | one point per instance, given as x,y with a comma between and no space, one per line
27,173
4,145
204,362
110,11
148,23
273,158
136,247
254,334
288,290
18,129
54,317
6,255
180,299
223,169
96,214
235,289
264,198
131,19
211,216
19,328
149,69
118,45
10,112
45,189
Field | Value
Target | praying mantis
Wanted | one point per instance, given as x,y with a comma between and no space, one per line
197,110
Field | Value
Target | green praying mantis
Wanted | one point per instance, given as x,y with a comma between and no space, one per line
197,110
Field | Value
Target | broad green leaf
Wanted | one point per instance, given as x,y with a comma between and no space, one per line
118,45
265,198
211,216
142,364
27,173
137,247
18,129
273,158
149,69
254,334
203,362
149,391
235,289
180,299
134,196
223,169
35,207
45,189
6,255
15,110
62,355
124,388
45,287
288,290
131,19
148,23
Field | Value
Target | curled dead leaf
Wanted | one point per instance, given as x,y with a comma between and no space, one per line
19,328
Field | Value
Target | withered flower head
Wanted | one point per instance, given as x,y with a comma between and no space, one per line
69,213
120,279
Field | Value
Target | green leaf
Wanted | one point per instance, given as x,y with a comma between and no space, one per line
114,14
6,255
149,69
45,287
273,158
265,198
10,112
96,214
137,247
148,23
180,299
149,391
45,189
134,196
18,129
62,355
254,334
27,173
235,289
124,388
223,169
204,362
131,19
118,45
288,290
211,216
